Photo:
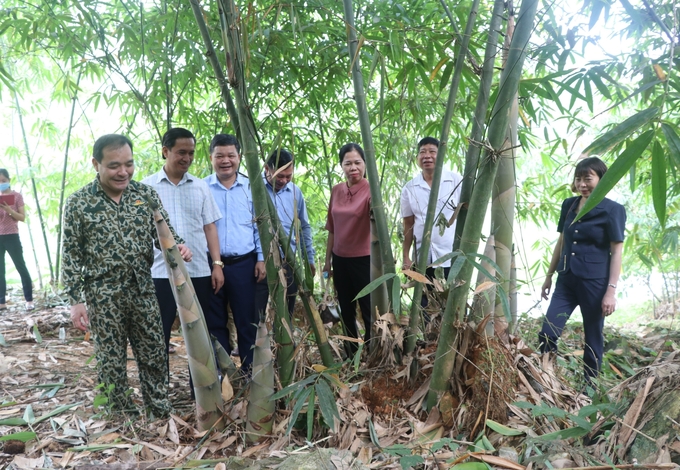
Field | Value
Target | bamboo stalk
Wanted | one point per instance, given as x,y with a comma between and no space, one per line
200,354
283,330
34,186
456,302
260,411
423,258
503,199
379,297
306,296
30,234
216,66
63,174
377,204
474,147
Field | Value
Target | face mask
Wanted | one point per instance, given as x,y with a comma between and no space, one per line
4,186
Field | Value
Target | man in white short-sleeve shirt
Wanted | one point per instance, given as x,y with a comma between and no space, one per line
414,199
193,212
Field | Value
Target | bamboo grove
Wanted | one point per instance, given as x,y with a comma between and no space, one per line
313,77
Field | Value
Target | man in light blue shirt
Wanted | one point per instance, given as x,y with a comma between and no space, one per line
193,211
292,211
240,249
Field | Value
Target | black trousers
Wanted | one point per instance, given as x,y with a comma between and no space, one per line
429,272
168,307
350,275
262,293
12,245
572,291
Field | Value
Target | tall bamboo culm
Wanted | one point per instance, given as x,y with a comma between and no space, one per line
285,355
497,142
34,187
503,200
423,257
202,366
377,205
478,121
63,174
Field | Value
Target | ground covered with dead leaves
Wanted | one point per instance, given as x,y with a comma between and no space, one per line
509,408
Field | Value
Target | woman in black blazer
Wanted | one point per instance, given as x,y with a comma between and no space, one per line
588,260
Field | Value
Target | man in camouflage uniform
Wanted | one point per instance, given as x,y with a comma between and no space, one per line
109,234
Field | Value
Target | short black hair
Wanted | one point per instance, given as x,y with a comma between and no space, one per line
428,140
224,140
348,148
114,141
591,163
279,158
4,173
170,137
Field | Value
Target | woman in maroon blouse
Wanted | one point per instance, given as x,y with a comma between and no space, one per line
349,241
11,213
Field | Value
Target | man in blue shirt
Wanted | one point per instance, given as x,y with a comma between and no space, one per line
240,249
291,209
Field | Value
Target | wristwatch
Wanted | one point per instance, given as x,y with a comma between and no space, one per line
218,263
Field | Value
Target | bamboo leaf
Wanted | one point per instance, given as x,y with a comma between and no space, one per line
36,333
673,142
659,182
13,422
29,417
416,276
471,466
503,430
23,436
301,400
310,414
373,434
57,411
563,434
327,405
618,134
374,285
505,301
456,267
616,171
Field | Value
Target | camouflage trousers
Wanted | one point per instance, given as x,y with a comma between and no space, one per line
119,312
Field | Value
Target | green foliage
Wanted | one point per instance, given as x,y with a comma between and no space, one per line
305,393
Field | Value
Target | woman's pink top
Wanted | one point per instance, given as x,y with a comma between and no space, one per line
8,225
349,219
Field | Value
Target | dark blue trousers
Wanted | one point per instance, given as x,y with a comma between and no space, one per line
572,291
239,293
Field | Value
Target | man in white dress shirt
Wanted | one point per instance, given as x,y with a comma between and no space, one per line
193,212
414,199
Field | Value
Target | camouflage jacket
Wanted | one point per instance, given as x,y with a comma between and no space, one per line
107,243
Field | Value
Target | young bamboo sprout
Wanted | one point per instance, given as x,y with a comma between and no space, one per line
260,413
202,366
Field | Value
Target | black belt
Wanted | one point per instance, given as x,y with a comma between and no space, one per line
229,260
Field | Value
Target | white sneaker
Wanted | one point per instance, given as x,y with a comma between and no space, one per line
29,306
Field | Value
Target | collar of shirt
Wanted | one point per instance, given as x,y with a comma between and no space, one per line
162,175
420,179
241,180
